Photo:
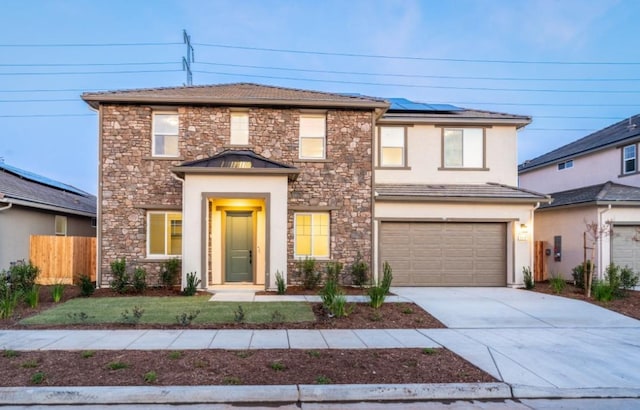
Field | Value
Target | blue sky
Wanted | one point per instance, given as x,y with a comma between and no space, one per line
523,39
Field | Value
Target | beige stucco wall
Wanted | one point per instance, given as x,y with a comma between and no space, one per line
519,252
587,170
18,223
571,224
424,157
228,186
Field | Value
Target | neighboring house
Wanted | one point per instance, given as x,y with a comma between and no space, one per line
594,180
31,204
242,181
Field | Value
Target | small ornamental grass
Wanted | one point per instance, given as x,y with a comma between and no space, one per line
528,278
378,292
557,283
280,283
57,291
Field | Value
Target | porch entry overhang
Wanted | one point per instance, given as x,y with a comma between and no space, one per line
235,218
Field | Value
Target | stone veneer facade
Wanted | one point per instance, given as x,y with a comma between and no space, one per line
132,182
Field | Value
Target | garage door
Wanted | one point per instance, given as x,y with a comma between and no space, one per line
625,249
445,254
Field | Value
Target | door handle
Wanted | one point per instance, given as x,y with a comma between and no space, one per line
250,257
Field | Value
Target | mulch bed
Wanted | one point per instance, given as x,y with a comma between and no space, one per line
629,305
223,367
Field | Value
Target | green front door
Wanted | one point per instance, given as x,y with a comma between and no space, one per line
239,246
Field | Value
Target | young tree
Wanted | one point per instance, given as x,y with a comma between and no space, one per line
593,233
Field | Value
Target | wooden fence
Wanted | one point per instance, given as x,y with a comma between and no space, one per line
62,259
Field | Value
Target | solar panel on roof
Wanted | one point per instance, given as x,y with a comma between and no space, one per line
402,104
41,180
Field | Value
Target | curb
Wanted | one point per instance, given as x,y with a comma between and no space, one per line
538,392
249,394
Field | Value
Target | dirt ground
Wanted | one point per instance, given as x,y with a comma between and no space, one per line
629,305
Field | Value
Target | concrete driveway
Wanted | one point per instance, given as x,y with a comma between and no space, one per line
542,345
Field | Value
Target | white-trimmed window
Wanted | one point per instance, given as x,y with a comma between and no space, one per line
565,165
239,128
629,159
463,148
165,134
164,233
392,146
61,225
313,133
311,235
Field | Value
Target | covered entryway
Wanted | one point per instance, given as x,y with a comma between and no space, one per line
445,253
625,246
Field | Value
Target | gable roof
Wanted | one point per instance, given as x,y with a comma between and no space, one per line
612,135
601,194
32,190
489,192
236,94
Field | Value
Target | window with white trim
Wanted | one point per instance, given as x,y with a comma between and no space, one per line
311,235
565,165
165,134
239,128
61,225
629,159
313,135
463,148
392,146
164,234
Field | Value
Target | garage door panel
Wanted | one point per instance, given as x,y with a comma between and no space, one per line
625,247
445,254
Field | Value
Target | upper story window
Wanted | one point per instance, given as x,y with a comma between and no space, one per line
239,128
392,146
629,162
463,148
165,134
313,135
164,233
565,165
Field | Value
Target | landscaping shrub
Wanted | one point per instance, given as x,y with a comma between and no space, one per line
578,274
280,283
557,283
333,270
339,307
310,278
134,317
120,280
602,291
359,271
32,296
57,291
628,279
185,318
139,280
192,284
528,278
378,292
329,291
22,276
239,315
169,272
86,286
9,298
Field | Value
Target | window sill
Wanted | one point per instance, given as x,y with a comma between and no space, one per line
393,168
163,158
301,160
463,169
629,174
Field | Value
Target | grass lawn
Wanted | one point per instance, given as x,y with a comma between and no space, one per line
163,310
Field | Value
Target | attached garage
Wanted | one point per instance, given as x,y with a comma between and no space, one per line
445,253
625,246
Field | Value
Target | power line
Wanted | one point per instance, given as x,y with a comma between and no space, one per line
391,57
91,72
447,77
54,45
87,64
444,87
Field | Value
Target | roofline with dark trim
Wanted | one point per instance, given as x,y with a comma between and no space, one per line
48,207
475,199
182,171
390,118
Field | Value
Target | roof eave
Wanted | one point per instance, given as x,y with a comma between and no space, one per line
418,198
417,119
95,100
292,173
48,207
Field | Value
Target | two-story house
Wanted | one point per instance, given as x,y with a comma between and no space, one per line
243,180
593,180
447,208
